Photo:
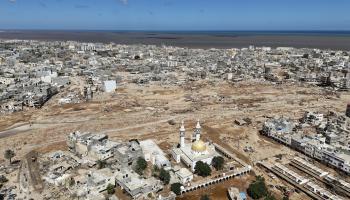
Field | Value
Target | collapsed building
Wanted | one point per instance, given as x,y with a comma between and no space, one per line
330,145
91,147
279,129
135,185
38,63
128,153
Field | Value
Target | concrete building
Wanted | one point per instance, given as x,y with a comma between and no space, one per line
290,174
135,185
328,147
152,153
109,86
60,169
184,175
12,106
234,194
91,147
279,128
98,180
128,153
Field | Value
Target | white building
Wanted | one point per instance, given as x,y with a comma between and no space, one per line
46,76
109,86
98,180
135,185
91,147
234,193
195,151
6,81
184,175
152,153
90,185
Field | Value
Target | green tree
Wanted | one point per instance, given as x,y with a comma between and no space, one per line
71,182
205,197
218,162
101,164
202,169
257,189
176,188
141,165
164,176
3,179
110,189
9,154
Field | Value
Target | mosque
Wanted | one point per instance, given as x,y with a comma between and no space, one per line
197,150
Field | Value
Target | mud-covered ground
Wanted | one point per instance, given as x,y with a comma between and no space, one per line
144,112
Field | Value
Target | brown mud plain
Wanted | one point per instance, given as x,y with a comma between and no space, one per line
143,112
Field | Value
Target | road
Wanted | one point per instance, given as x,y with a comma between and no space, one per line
24,127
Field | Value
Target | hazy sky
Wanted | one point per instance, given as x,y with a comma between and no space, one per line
176,14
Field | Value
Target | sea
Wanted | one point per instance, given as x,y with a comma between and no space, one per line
333,40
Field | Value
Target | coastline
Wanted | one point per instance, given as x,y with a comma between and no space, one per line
219,39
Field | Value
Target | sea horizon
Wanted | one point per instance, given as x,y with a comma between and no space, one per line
321,39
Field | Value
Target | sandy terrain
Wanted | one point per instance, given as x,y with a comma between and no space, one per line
144,111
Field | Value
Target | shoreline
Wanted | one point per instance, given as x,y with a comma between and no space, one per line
190,40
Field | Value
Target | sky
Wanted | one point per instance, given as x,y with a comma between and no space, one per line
175,14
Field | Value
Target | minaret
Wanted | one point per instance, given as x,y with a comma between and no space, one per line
182,135
198,131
